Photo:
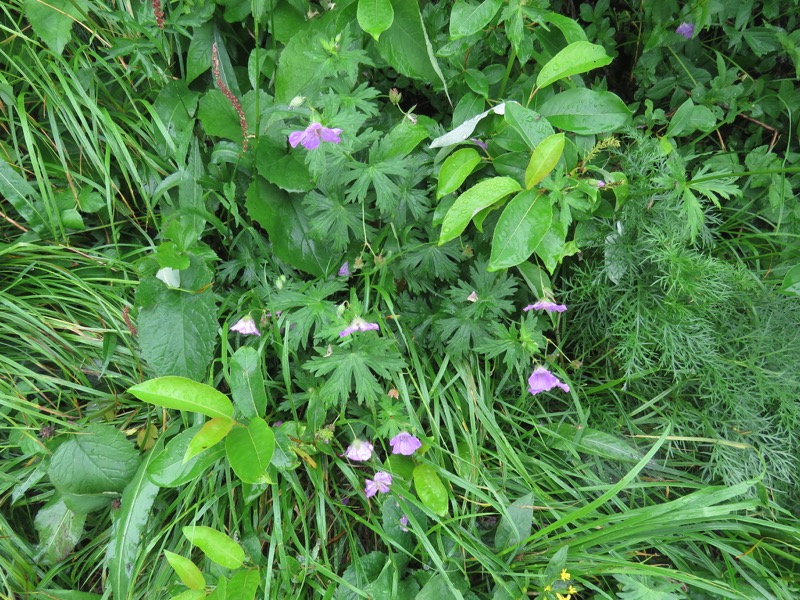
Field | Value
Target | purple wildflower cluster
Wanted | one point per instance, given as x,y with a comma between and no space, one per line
361,450
685,30
542,380
311,137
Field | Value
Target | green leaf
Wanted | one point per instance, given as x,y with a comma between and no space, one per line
249,450
188,572
528,123
297,72
430,489
190,595
570,28
59,531
52,20
456,169
288,229
520,229
198,57
281,167
470,203
463,131
791,281
19,193
375,16
690,118
168,468
578,57
404,46
184,394
515,525
244,585
466,18
247,382
216,545
97,461
209,435
477,82
544,159
218,116
130,520
586,112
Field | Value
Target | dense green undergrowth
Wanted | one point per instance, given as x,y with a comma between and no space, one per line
399,299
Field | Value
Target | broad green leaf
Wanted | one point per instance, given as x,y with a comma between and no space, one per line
281,167
440,586
52,20
218,116
544,159
554,247
129,522
243,585
578,57
209,435
188,572
595,442
184,394
247,382
52,594
430,489
190,595
198,56
18,192
456,169
249,450
216,545
570,28
528,123
288,229
477,82
586,111
297,72
467,18
59,531
515,525
97,461
470,203
791,281
168,468
375,16
520,229
400,465
690,118
402,139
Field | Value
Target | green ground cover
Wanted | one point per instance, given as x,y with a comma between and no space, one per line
399,299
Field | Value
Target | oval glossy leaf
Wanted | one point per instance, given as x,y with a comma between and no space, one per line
690,118
247,382
210,434
578,57
216,545
544,159
466,18
532,126
130,520
249,450
430,489
188,572
184,394
520,229
473,201
375,16
168,468
456,169
586,112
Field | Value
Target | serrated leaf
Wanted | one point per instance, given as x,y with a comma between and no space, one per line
247,382
188,572
168,468
59,531
130,520
249,450
578,57
216,545
184,394
455,170
520,229
467,18
586,112
515,525
210,434
532,126
375,16
97,461
474,200
544,159
430,489
52,20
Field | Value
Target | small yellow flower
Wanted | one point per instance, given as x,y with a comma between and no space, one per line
572,590
547,588
562,596
564,575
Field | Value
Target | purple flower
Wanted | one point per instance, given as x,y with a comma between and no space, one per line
601,184
542,380
359,450
686,30
546,305
312,135
344,270
480,143
404,523
405,443
358,324
246,326
380,484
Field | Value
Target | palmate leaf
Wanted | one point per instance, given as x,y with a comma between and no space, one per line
356,367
